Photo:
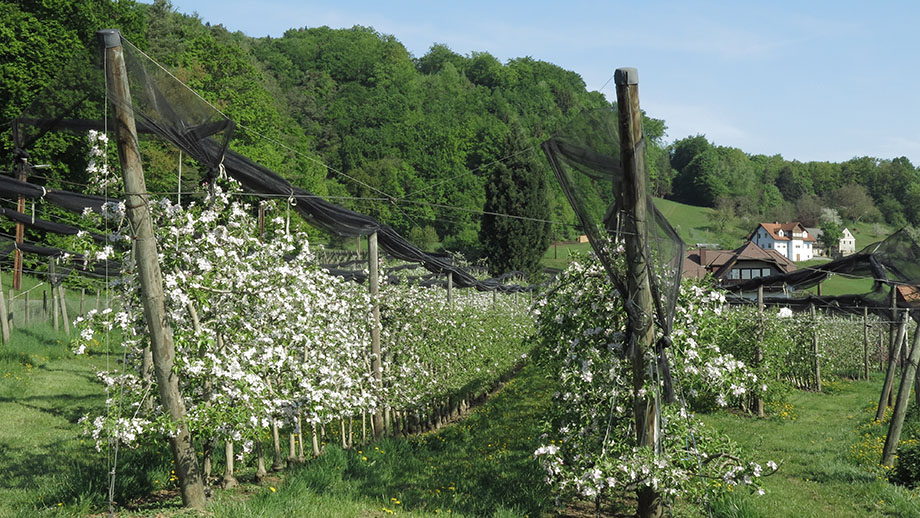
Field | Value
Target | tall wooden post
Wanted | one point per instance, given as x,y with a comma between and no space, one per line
21,168
866,343
377,361
758,351
639,303
889,374
900,406
12,307
814,319
450,290
4,324
150,276
52,280
63,304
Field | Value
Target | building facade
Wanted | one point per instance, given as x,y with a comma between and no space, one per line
790,240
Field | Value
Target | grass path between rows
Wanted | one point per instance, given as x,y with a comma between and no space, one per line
480,466
824,451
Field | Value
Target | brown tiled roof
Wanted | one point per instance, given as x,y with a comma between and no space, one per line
718,262
909,295
787,228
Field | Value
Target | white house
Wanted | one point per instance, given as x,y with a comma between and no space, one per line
847,243
789,239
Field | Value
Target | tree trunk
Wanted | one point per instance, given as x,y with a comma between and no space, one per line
229,480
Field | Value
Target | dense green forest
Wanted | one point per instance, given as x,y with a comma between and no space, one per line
424,143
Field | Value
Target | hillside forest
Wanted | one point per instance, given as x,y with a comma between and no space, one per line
438,146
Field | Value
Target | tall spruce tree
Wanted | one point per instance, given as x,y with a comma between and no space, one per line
515,232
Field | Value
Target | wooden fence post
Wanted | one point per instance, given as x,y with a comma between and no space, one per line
889,374
52,280
148,267
632,199
12,308
866,343
4,324
82,299
758,350
900,407
814,318
450,290
376,359
63,305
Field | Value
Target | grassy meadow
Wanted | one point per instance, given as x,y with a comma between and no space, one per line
483,465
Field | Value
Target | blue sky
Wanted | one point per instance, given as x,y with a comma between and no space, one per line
810,80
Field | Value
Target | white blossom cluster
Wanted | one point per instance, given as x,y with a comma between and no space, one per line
263,335
590,445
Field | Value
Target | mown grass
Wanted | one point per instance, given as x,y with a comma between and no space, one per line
829,467
45,462
482,466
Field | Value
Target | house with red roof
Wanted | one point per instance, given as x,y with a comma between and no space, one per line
791,240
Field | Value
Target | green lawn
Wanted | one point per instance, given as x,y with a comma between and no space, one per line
482,466
827,458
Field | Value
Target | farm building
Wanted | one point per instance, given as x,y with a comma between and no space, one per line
733,266
791,240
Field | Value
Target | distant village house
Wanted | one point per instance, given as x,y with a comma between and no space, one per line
846,245
734,266
791,240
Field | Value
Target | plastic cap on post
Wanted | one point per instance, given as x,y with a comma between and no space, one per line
110,38
626,76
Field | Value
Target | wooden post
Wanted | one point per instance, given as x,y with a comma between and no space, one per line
758,351
900,406
63,305
376,360
866,343
889,374
814,319
151,279
12,308
633,200
261,220
52,280
82,299
4,324
22,168
44,304
450,290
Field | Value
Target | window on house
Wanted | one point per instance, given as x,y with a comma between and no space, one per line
745,274
734,274
765,272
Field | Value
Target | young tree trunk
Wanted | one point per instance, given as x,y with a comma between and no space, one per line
277,461
261,472
316,450
300,453
229,480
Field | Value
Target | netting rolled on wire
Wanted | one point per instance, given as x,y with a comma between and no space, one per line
585,157
166,108
891,264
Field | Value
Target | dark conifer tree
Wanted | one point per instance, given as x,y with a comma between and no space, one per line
515,232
